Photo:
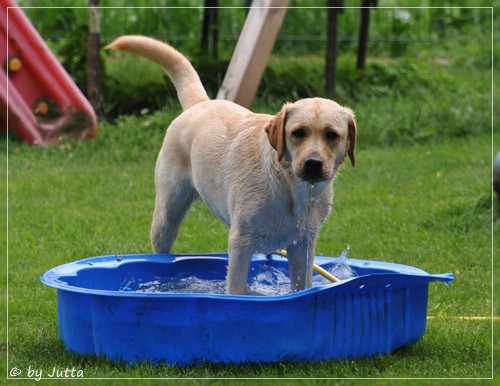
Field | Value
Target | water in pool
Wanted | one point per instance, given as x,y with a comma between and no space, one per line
266,280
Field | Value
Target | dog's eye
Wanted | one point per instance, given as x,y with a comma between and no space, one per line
299,133
331,135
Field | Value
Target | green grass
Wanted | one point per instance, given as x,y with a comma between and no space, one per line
427,206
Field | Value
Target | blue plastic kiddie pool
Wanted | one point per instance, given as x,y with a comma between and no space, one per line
125,308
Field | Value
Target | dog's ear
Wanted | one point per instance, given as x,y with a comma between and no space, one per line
352,134
276,132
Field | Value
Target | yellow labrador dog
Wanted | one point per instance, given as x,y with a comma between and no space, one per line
254,171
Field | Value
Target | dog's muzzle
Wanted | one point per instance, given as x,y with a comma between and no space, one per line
312,170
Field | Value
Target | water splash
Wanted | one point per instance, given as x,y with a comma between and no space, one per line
345,252
311,195
342,270
128,284
309,259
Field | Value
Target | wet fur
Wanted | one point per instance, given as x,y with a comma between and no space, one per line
254,171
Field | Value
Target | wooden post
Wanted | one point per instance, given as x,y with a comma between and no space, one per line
252,51
93,58
334,8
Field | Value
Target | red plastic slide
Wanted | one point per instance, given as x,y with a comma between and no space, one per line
38,99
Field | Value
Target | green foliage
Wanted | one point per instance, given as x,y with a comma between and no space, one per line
292,78
394,78
415,54
73,55
134,84
393,25
211,72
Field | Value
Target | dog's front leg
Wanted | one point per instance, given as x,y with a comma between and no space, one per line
300,265
240,257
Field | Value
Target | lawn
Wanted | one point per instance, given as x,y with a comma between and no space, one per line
427,206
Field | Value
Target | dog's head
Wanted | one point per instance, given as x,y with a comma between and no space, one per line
314,135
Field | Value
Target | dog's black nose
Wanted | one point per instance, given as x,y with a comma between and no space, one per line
313,169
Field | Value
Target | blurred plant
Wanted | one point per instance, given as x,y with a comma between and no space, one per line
401,23
72,52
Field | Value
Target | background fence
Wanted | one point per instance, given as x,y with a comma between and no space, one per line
303,31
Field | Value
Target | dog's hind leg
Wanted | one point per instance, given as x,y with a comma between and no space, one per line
172,204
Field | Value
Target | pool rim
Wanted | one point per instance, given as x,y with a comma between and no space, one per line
51,277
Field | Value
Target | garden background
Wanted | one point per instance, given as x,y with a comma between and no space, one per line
421,192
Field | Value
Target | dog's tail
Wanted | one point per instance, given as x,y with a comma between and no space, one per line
184,77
